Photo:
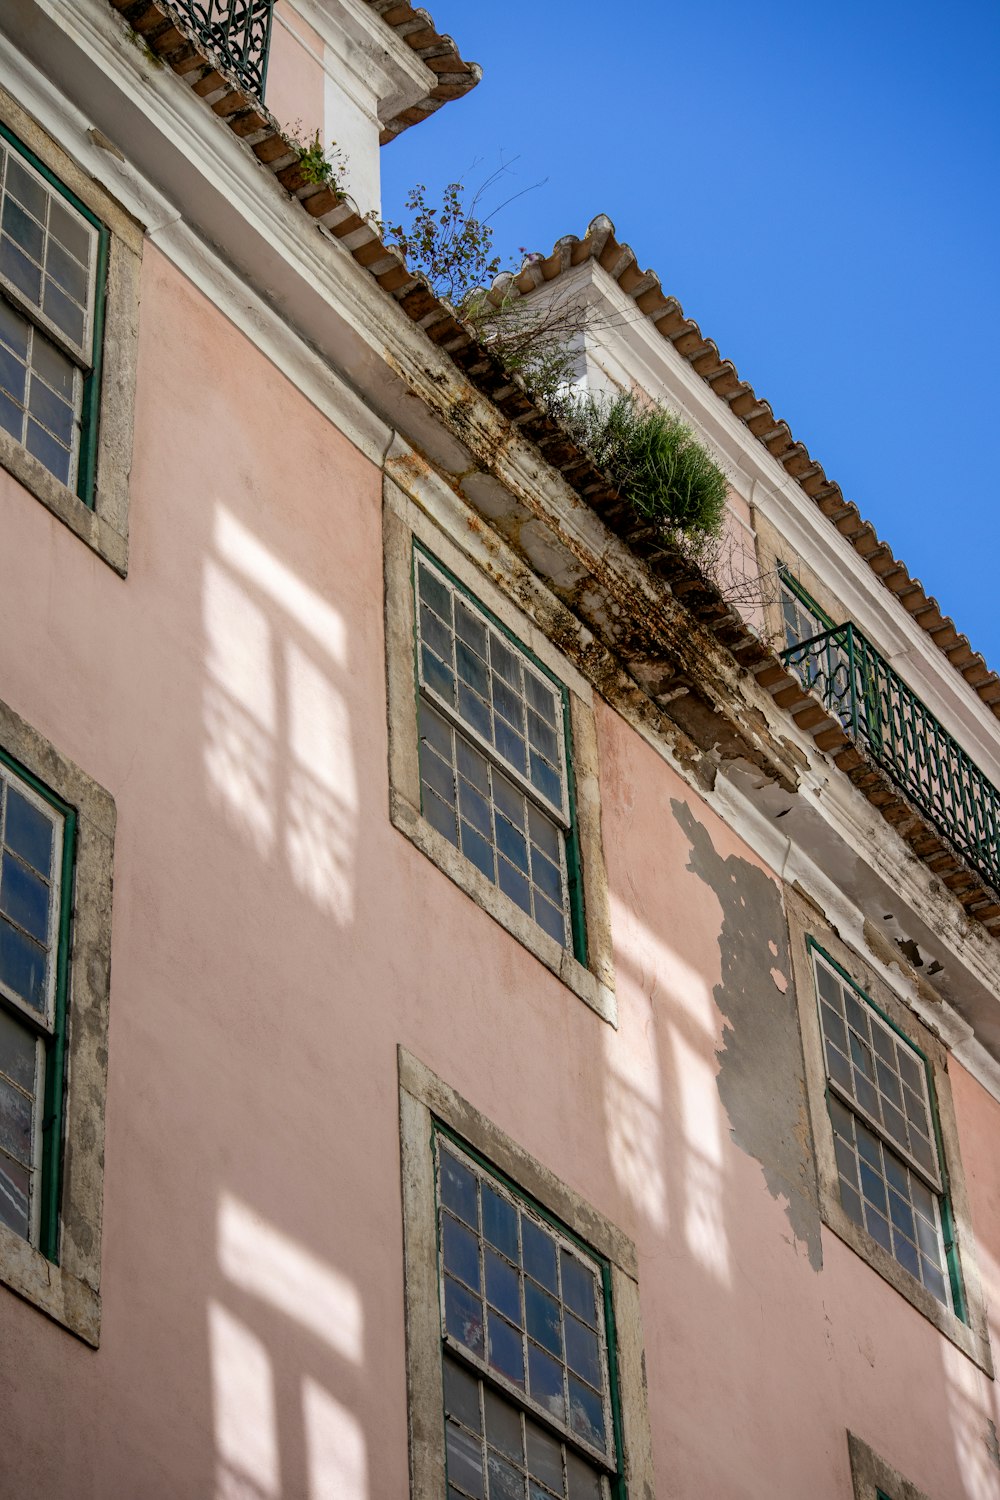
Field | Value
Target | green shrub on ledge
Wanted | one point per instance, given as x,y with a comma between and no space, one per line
655,461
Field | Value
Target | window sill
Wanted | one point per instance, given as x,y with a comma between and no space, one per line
52,1289
58,498
584,984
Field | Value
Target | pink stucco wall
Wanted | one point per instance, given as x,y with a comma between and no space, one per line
295,79
275,938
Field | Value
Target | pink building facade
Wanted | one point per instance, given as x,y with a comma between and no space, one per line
475,1021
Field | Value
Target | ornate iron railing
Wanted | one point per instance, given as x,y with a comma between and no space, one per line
885,717
236,32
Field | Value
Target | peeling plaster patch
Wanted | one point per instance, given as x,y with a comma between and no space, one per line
761,1078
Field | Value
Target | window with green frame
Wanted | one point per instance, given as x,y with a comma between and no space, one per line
495,754
530,1390
53,269
801,615
882,1107
37,834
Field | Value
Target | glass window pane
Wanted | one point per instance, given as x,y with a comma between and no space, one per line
461,1394
473,765
465,1461
70,275
431,588
435,731
505,1482
26,187
463,1316
471,629
15,1196
539,1253
542,1314
23,965
51,411
545,1382
544,1457
503,1286
499,1222
460,1251
18,1049
543,699
476,848
503,1426
551,921
13,374
506,1349
70,231
458,1188
17,1119
24,897
48,451
578,1288
475,808
584,1481
20,271
582,1352
15,330
512,844
586,1413
514,885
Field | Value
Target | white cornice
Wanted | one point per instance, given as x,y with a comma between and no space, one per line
377,58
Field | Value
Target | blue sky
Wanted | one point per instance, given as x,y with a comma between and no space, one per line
817,185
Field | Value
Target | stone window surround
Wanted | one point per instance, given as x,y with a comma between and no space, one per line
105,527
424,1097
69,1290
404,520
971,1337
874,1478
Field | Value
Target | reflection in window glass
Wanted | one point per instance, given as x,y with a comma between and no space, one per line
880,1107
527,1390
492,752
48,259
30,852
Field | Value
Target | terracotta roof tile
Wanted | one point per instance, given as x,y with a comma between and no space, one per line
668,318
455,76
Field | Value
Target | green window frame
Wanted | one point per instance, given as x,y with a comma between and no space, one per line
447,734
38,351
802,617
513,1425
892,1171
34,975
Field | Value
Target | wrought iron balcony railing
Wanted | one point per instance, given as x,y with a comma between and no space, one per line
886,718
236,32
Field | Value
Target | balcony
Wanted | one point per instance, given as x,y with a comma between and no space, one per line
235,33
889,724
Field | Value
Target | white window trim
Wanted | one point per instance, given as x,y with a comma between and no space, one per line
105,527
69,1291
423,1097
971,1337
404,520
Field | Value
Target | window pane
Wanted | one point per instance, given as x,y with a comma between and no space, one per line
504,697
886,1078
554,1350
41,229
17,1052
15,1196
